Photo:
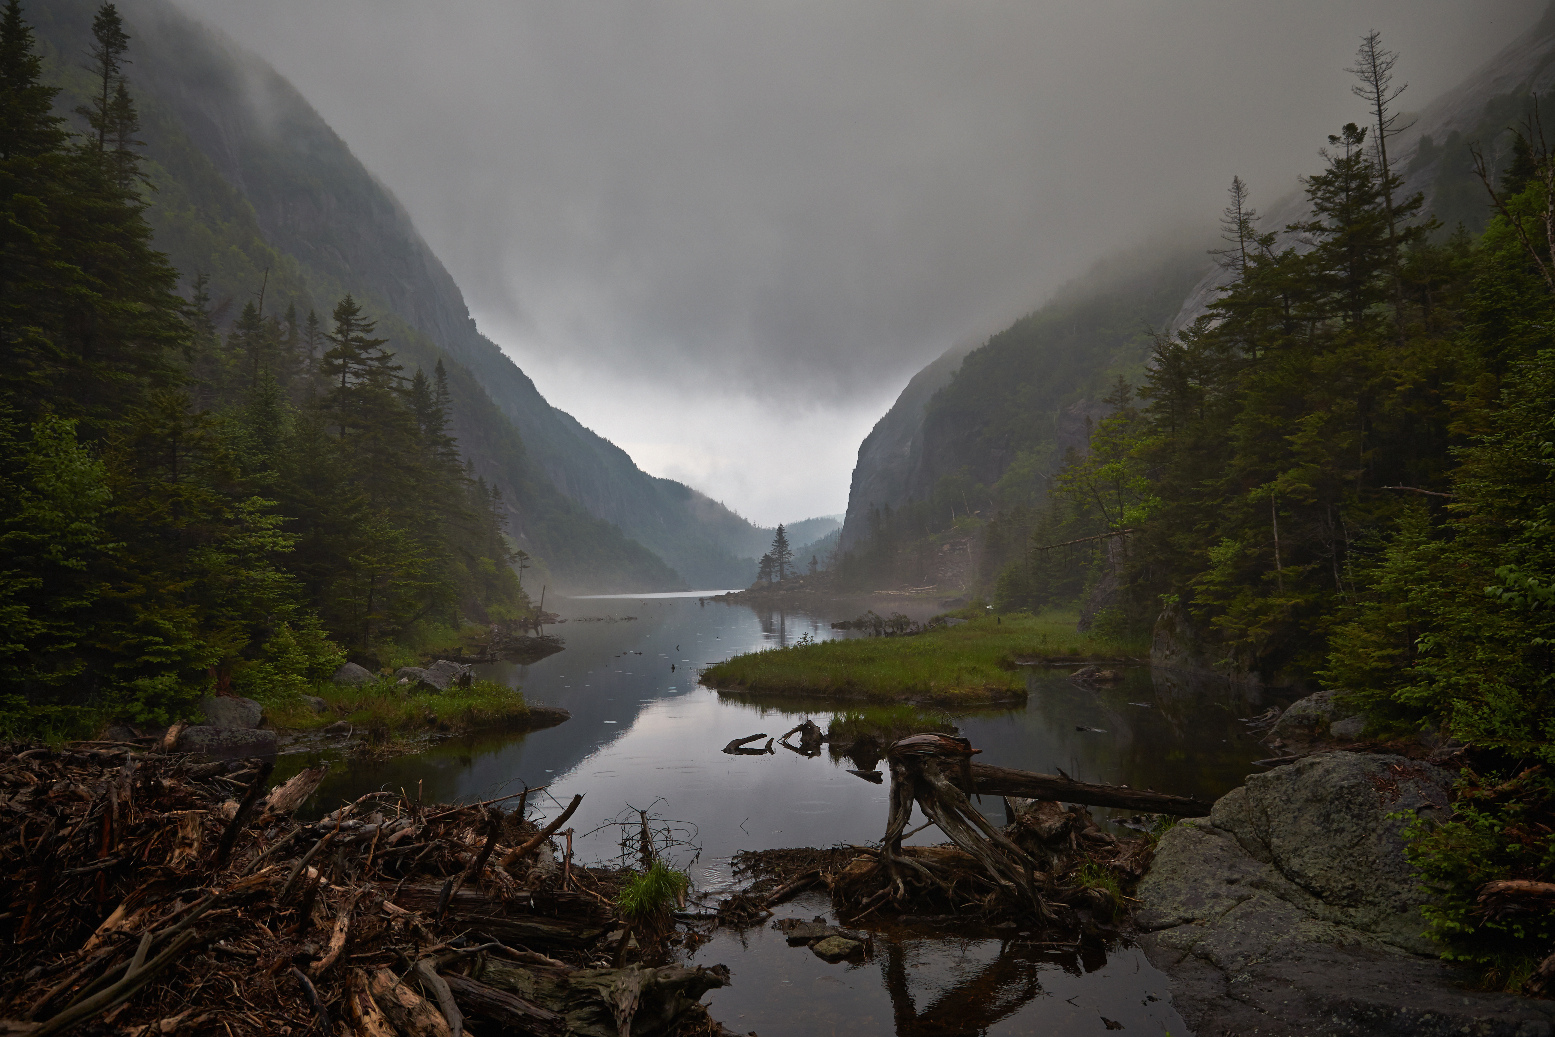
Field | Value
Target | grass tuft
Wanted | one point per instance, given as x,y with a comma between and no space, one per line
652,894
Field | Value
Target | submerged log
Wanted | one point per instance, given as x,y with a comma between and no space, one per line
988,780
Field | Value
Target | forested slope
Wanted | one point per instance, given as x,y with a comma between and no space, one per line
255,190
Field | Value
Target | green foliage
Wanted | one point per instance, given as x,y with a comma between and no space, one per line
192,512
650,895
1499,830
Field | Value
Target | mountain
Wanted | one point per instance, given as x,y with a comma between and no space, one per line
888,456
986,427
254,190
1011,405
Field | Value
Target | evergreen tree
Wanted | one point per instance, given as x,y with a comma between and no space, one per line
781,554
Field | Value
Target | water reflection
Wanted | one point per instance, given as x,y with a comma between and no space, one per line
925,981
642,733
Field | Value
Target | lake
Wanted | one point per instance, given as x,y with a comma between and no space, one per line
645,736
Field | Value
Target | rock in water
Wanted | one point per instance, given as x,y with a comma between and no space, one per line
1290,910
223,711
353,674
835,948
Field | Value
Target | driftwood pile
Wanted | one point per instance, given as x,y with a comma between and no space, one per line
145,894
1050,865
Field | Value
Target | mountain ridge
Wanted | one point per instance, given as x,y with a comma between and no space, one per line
326,225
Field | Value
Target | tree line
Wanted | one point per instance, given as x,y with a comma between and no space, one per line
1343,475
196,510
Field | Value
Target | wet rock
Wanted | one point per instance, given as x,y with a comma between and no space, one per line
339,727
226,743
228,712
1291,910
353,674
836,948
315,703
800,933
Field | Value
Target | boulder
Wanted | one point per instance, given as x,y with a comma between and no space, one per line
1347,730
1290,909
450,673
227,712
353,674
415,677
226,743
1314,719
440,676
315,703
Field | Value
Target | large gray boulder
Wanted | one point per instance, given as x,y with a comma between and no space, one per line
450,673
1316,718
439,676
226,743
225,711
353,674
1290,909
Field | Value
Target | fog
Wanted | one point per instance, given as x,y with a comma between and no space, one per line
725,234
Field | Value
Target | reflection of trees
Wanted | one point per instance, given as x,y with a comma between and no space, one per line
774,624
994,992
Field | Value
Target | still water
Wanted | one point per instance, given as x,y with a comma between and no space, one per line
645,736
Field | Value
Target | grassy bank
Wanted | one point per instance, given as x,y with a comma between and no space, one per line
971,663
383,710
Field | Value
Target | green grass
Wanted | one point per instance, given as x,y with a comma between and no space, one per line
653,893
384,709
961,665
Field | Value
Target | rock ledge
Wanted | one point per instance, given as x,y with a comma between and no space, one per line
1291,910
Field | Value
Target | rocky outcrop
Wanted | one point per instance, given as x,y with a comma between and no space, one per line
887,457
1290,910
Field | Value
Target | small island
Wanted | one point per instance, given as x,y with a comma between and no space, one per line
953,661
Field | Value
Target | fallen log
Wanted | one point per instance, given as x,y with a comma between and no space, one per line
988,780
508,1011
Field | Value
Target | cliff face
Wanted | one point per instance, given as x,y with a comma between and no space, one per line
889,454
1016,400
254,186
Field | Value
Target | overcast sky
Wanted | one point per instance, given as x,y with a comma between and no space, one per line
724,234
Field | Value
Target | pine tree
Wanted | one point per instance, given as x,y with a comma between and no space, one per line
109,42
28,125
782,555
